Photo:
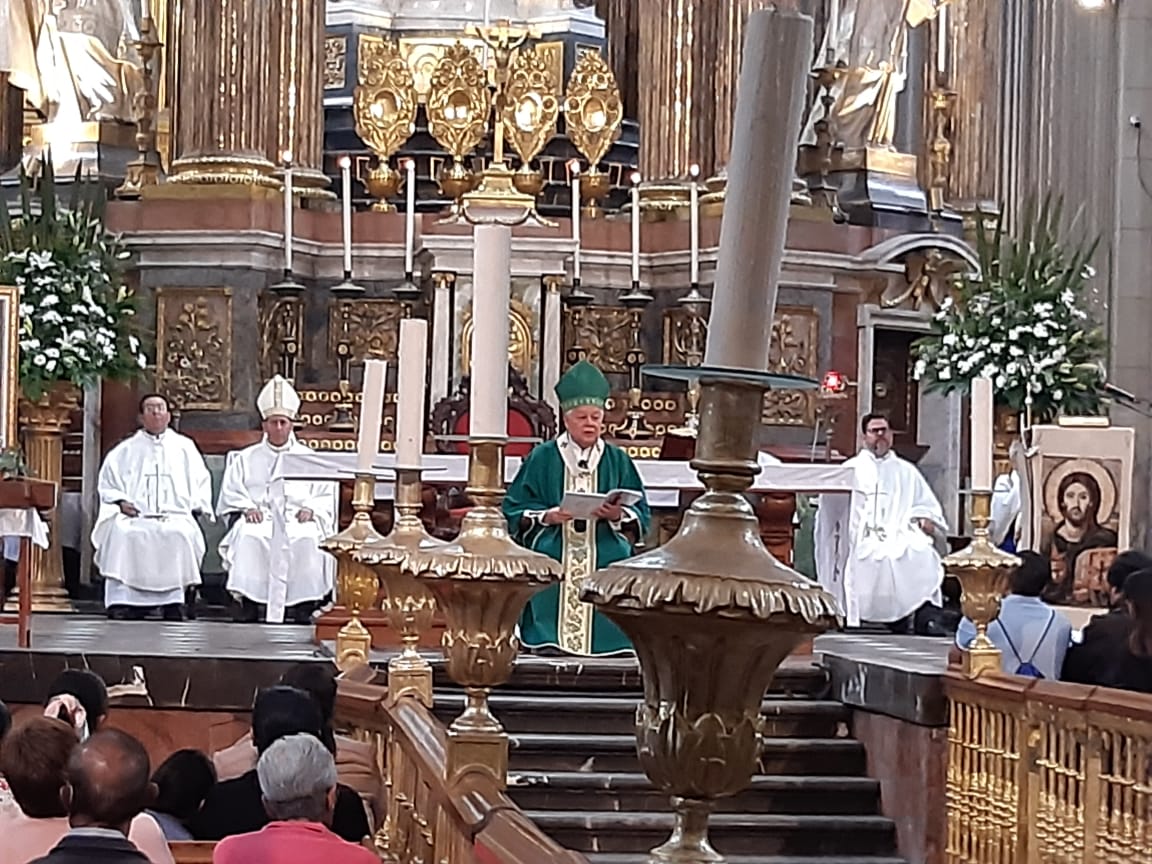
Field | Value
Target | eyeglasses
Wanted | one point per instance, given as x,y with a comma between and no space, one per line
883,430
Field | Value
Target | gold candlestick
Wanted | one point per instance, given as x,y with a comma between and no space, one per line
145,169
983,572
709,630
482,582
409,604
357,585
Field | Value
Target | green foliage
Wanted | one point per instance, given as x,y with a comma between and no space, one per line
1022,322
77,320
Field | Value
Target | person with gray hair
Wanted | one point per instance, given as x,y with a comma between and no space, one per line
298,783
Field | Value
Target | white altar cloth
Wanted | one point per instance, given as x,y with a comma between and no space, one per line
19,522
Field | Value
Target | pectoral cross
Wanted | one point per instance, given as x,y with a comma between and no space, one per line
874,526
502,39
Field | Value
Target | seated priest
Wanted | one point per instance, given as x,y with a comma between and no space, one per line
577,461
286,571
148,543
876,549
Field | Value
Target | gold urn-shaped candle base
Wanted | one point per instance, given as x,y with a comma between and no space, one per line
357,585
983,572
709,628
481,582
409,605
383,182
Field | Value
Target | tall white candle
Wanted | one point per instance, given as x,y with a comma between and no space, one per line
491,282
694,223
771,98
410,392
371,414
410,215
942,43
636,227
981,434
833,30
287,155
346,180
574,167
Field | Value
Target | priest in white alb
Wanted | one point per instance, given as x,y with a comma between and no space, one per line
272,551
148,544
876,549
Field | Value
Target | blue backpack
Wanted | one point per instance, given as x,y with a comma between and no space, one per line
1026,667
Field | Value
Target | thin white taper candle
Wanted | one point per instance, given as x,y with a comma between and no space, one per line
694,223
346,181
410,392
833,30
410,216
942,44
981,434
491,282
287,156
371,413
574,166
636,228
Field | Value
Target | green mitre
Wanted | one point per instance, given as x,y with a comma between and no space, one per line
583,384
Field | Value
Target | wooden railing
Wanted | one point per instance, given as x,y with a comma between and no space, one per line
1042,772
429,818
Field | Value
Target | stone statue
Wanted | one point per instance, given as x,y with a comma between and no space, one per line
74,61
870,44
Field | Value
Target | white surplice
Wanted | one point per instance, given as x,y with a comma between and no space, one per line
871,553
261,568
148,560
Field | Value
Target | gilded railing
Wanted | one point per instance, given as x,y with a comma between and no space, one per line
1042,772
430,819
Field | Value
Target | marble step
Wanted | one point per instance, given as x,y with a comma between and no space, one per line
580,714
574,790
731,833
549,752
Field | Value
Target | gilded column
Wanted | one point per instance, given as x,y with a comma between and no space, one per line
677,110
226,66
297,70
621,23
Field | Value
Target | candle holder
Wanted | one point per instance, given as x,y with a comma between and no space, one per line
940,148
409,605
595,186
824,190
408,290
357,585
481,582
342,411
383,182
710,629
577,297
691,349
983,572
145,169
635,426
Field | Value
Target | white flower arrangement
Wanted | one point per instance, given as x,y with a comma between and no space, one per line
1021,323
77,321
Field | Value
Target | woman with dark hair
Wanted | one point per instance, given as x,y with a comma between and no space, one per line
182,781
1122,656
79,698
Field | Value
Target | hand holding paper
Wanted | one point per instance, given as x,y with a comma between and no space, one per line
584,505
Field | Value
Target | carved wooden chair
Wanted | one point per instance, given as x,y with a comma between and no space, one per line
528,418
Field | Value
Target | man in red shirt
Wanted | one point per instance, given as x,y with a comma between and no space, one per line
298,783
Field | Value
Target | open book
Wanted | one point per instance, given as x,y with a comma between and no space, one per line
583,504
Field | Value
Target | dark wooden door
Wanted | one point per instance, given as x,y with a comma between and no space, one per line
894,391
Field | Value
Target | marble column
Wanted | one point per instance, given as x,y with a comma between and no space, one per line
226,67
297,71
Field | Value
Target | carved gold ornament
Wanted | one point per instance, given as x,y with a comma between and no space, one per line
335,60
384,102
521,345
194,347
458,102
593,110
373,328
531,105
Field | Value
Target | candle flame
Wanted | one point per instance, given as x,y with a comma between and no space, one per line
635,178
286,157
574,166
694,170
409,164
345,162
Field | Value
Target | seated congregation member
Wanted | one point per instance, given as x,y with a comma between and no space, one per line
1124,656
235,807
148,544
107,788
355,760
298,786
876,551
1086,661
79,697
1031,635
579,460
35,760
299,576
182,783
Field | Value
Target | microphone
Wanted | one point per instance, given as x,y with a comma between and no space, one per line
1119,392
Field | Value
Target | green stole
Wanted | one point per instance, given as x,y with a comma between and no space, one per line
557,616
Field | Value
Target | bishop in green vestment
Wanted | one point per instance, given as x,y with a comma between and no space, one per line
579,460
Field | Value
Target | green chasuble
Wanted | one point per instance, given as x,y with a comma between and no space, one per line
556,616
